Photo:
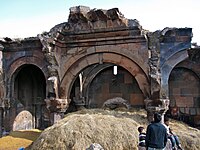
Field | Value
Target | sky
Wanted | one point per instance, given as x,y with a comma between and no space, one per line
27,18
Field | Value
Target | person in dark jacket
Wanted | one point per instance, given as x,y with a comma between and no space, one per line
156,135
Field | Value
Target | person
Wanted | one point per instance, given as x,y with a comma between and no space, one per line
142,136
173,138
156,135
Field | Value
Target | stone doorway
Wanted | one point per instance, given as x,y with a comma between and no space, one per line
28,98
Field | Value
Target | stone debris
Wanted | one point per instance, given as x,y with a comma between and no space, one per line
95,146
116,102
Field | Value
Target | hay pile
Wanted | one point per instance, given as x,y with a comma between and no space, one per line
113,130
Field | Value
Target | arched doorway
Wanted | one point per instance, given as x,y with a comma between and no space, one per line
29,94
97,83
184,94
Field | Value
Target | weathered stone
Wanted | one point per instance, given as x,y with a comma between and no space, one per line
23,121
57,105
92,16
114,14
79,9
95,146
116,102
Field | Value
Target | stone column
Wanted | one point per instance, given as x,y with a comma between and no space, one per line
38,115
79,100
157,102
152,106
6,114
57,108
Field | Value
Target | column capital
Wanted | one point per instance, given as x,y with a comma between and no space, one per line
57,105
152,106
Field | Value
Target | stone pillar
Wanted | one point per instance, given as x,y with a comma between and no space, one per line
55,117
57,108
6,114
38,115
79,100
152,106
52,83
157,102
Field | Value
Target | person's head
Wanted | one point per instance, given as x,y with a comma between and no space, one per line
157,117
166,120
140,129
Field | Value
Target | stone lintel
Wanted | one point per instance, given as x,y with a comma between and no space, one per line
66,32
101,41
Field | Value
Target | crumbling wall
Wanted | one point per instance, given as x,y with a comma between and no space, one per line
84,18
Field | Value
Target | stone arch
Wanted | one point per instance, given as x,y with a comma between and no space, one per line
15,65
92,75
120,60
167,67
27,60
125,51
194,67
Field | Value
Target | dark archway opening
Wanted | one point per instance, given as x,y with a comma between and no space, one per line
74,95
29,95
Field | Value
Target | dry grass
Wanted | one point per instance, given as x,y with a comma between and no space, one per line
18,139
189,137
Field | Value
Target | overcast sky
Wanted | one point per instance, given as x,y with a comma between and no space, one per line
26,18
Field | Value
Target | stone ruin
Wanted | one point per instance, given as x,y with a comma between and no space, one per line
71,67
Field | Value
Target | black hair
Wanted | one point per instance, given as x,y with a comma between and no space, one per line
166,119
140,129
157,117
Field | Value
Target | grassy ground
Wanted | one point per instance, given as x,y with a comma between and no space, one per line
18,139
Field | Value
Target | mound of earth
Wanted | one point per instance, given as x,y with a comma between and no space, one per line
113,130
